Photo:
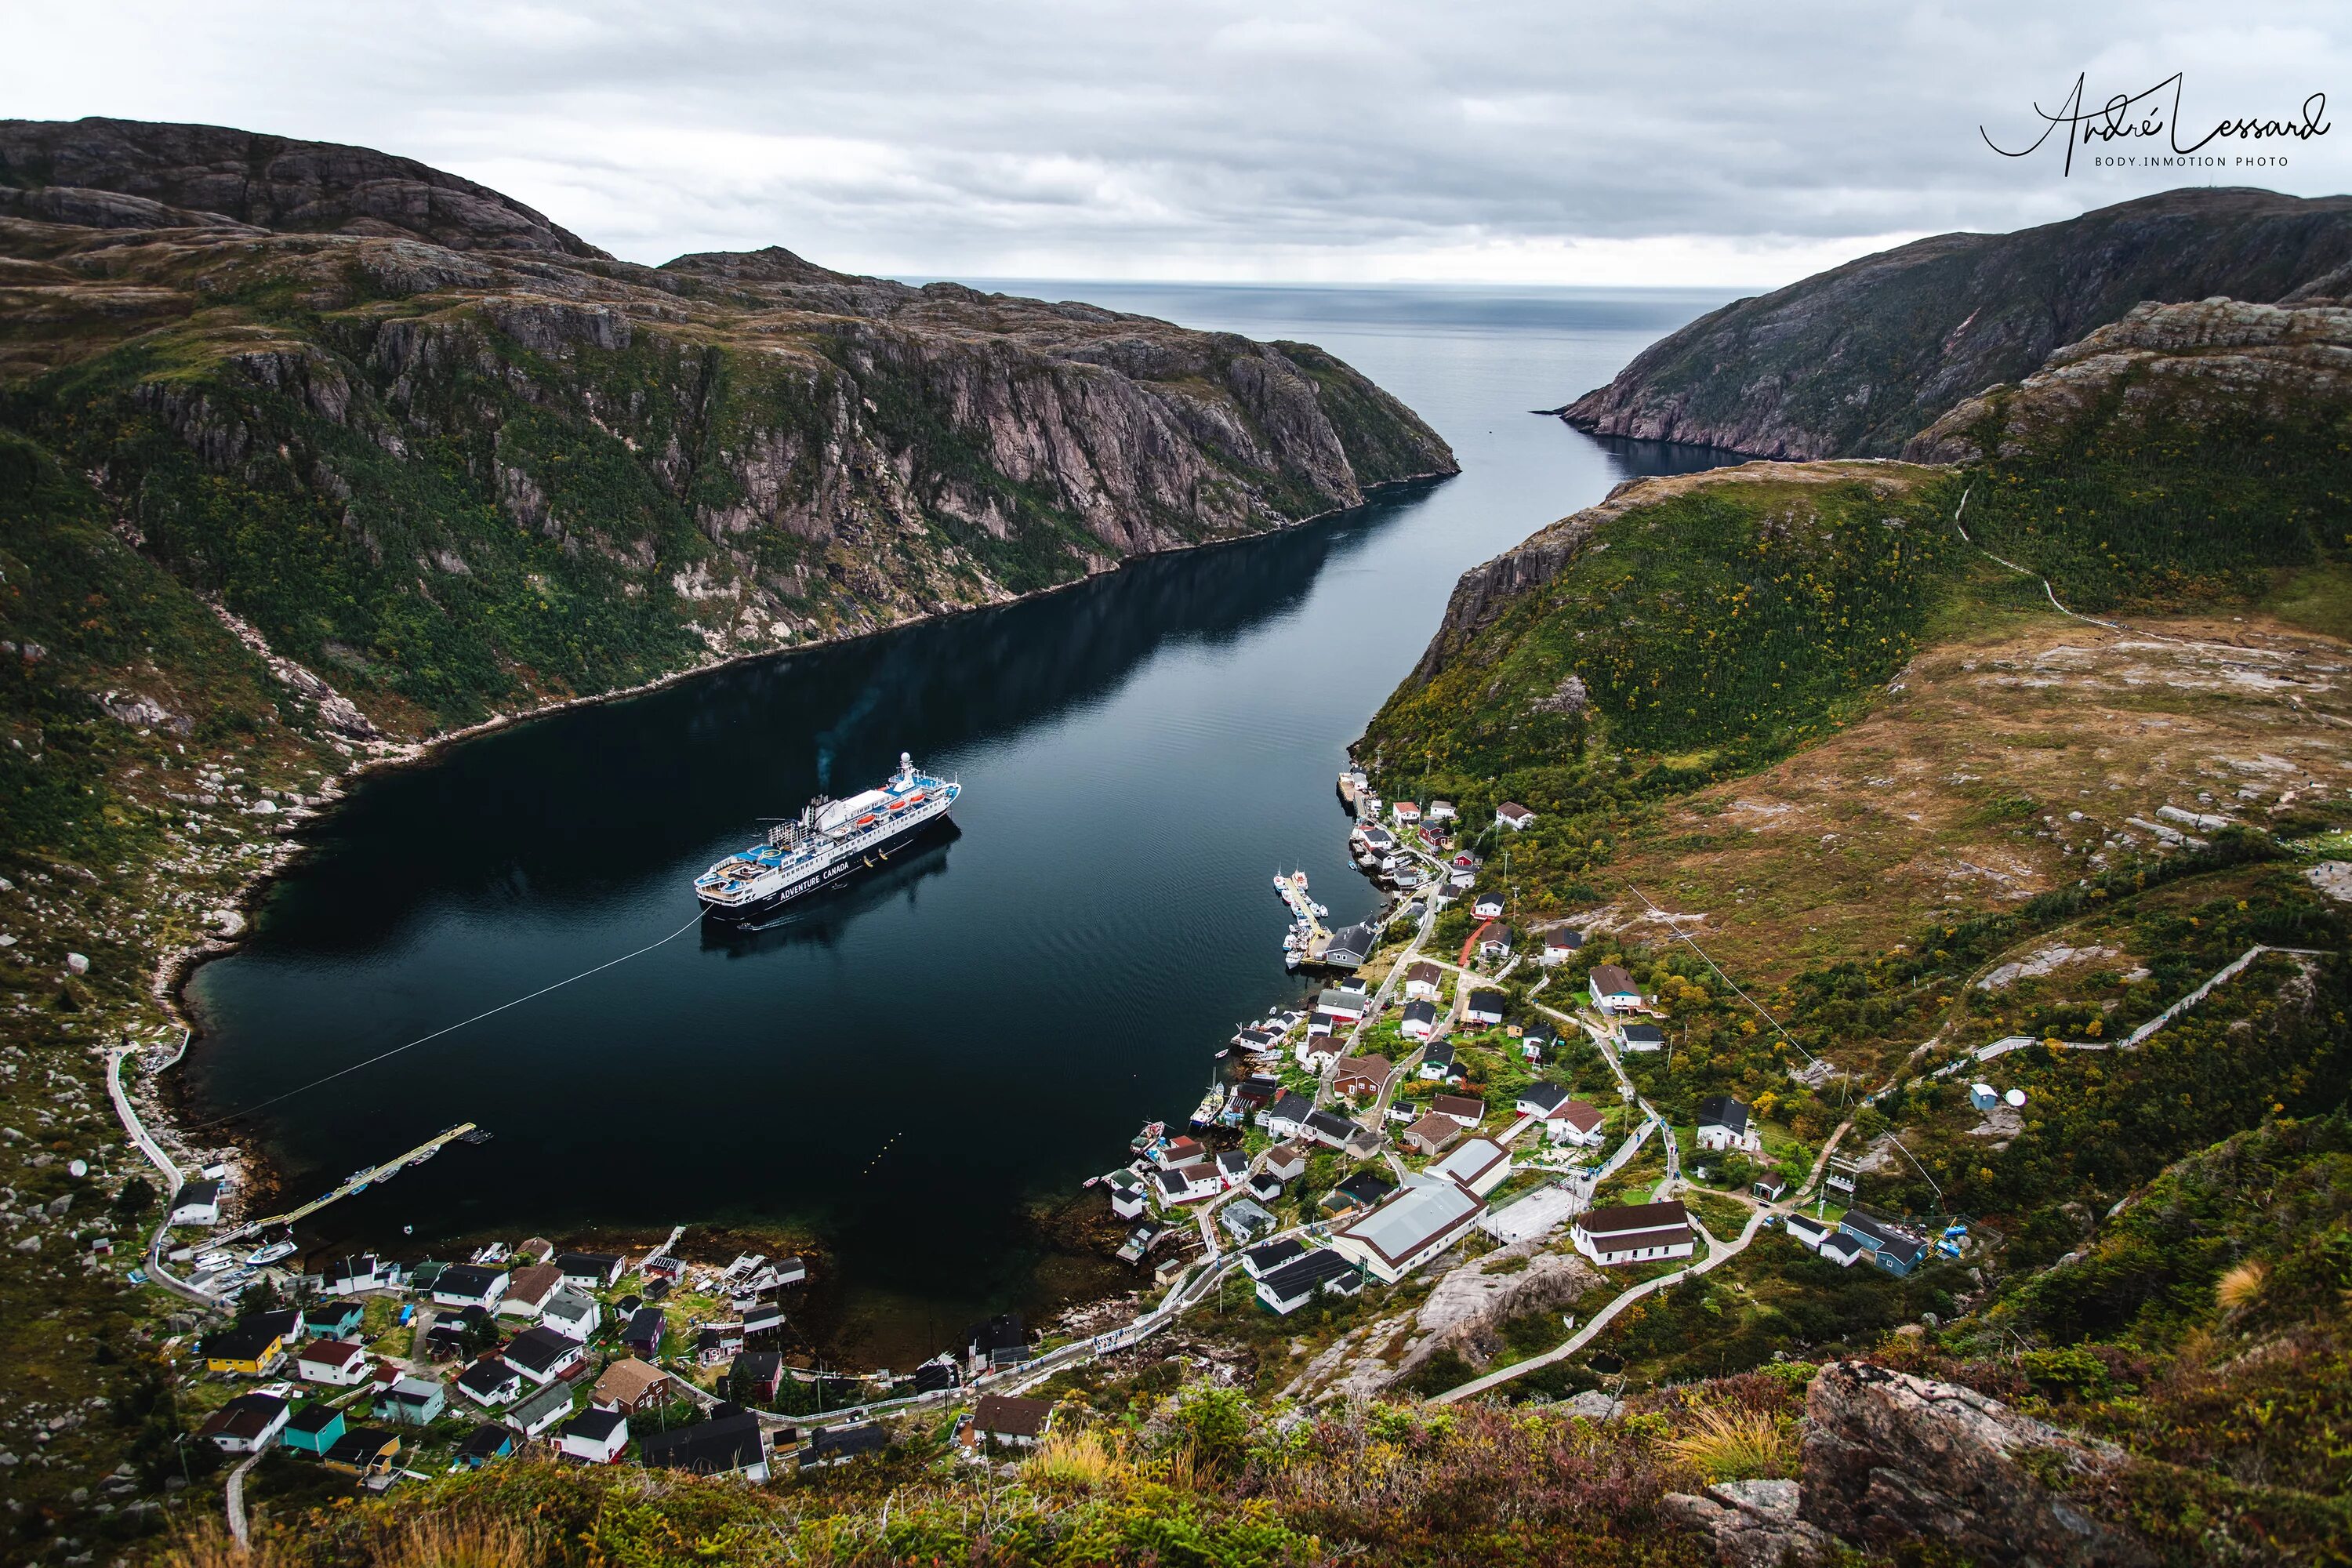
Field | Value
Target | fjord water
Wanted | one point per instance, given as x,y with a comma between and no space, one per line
917,1072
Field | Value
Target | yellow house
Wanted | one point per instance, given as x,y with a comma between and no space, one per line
251,1349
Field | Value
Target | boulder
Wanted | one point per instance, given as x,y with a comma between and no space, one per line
1755,1524
1891,1458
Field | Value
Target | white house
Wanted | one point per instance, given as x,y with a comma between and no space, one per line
1487,906
1437,1062
543,1355
1325,1270
1635,1233
590,1270
197,1203
248,1424
1346,1002
596,1437
575,1314
1422,982
1316,1053
529,1290
1480,1164
1420,1020
1642,1037
1127,1194
469,1285
337,1364
1428,1216
490,1383
1574,1122
1260,1261
350,1276
1540,1099
1407,813
1561,943
1287,1162
1494,939
1514,816
1233,1167
1613,990
1808,1234
1440,811
1724,1123
1287,1116
1485,1007
1465,1110
1186,1183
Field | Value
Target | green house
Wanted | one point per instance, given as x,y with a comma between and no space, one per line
332,1320
314,1429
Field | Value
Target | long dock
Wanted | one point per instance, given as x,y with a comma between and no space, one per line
1292,888
358,1181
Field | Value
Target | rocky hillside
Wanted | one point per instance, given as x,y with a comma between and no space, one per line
1856,360
450,458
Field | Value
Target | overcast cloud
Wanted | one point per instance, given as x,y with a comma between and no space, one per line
1684,143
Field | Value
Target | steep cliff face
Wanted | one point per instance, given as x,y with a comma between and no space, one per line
1856,360
2189,363
431,444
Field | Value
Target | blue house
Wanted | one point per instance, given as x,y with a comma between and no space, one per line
332,1320
411,1402
314,1429
1893,1250
484,1443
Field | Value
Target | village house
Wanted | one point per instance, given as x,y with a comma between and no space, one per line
1575,1123
1438,1063
1186,1183
543,1355
490,1383
628,1386
529,1290
1019,1423
590,1270
1840,1248
1407,813
761,1317
575,1314
338,1364
1535,1042
999,1342
1287,1161
1561,943
1329,1128
1179,1152
1463,1109
332,1320
1419,1022
483,1443
840,1444
250,1349
542,1412
595,1437
1128,1194
1806,1232
1485,1007
756,1375
1255,1092
1439,811
1244,1219
365,1451
1769,1186
1360,1191
1633,1233
314,1429
1260,1261
1487,907
643,1332
1233,1167
1983,1096
1480,1165
246,1424
1348,1003
717,1343
469,1285
1494,939
1724,1123
1613,990
1350,947
1428,1217
1514,816
1432,1134
351,1276
197,1203
1641,1038
1325,1270
411,1402
1361,1077
1265,1186
1540,1099
728,1444
1893,1249
1424,981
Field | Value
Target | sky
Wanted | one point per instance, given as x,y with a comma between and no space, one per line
1662,143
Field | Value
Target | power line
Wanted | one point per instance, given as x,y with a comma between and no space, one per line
452,1028
1727,979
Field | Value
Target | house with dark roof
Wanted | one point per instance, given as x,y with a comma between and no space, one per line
1422,982
197,1203
490,1383
542,1412
332,1320
250,1348
1329,1127
1725,1123
756,1374
1886,1244
1561,943
575,1314
643,1332
529,1290
248,1424
1352,945
1485,1008
365,1451
590,1270
840,1444
1633,1233
1322,1271
1286,1115
1258,1260
411,1402
728,1443
484,1443
1359,1077
543,1355
1000,1341
350,1276
469,1285
1464,1109
1417,1022
314,1429
1514,816
1000,1418
595,1437
1438,1063
1360,1191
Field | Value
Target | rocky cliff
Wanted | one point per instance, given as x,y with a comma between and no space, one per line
1856,360
434,446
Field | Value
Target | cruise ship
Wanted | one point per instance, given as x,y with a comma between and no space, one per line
830,842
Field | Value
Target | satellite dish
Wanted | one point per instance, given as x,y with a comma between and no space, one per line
2014,1097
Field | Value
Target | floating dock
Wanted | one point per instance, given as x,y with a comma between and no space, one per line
357,1181
1309,937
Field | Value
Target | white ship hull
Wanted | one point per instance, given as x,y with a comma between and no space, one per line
830,843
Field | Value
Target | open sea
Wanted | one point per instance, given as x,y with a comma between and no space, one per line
912,1078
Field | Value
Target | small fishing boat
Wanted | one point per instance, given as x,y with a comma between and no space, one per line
271,1254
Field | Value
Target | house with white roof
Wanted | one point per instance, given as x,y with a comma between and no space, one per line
1429,1214
1480,1164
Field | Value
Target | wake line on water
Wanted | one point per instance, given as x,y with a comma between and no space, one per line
447,1029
